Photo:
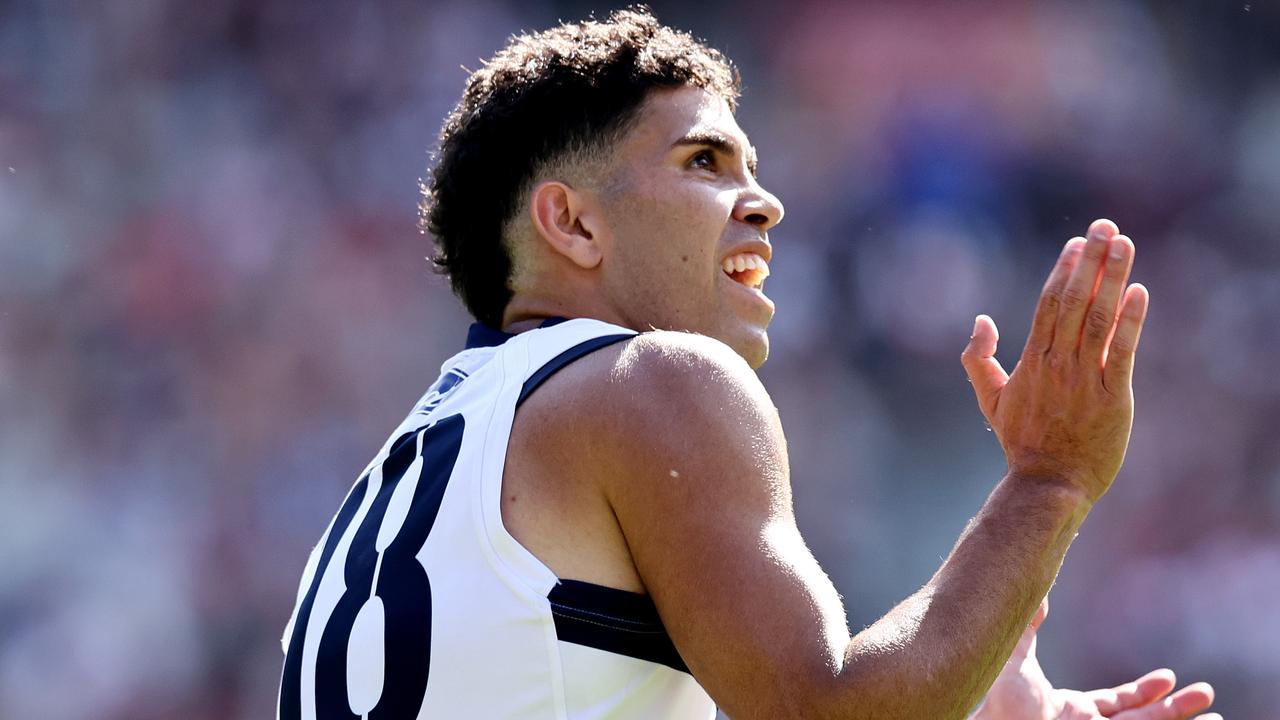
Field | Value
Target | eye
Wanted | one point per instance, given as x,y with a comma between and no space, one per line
703,160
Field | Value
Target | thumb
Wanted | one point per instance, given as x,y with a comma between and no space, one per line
1026,646
980,364
1042,612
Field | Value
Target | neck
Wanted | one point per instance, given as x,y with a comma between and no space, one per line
525,312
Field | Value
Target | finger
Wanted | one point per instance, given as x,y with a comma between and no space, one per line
1027,643
1046,316
980,364
1042,612
1118,374
1179,706
1100,320
1143,691
1079,291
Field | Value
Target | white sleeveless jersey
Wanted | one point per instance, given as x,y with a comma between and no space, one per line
417,603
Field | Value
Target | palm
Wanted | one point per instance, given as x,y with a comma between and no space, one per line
1076,705
1022,692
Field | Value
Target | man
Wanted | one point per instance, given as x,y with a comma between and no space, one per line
589,513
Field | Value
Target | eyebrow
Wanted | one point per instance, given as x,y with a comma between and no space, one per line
719,142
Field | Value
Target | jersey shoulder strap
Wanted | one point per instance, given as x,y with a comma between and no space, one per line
549,349
521,365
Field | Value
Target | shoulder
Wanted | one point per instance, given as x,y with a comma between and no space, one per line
658,397
633,413
636,386
678,354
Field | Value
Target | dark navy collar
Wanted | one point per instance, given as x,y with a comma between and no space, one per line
481,335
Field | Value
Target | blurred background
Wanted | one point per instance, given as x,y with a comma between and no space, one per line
214,305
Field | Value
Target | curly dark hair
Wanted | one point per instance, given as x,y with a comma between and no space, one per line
576,87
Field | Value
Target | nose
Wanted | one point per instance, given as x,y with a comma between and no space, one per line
759,207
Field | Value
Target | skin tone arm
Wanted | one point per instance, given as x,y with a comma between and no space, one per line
686,448
1022,692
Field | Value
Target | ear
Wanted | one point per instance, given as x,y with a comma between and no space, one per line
566,220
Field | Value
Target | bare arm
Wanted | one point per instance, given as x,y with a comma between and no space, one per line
696,475
688,451
937,652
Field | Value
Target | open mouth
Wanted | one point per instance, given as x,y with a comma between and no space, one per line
746,269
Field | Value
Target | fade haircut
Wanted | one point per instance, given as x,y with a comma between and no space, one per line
567,93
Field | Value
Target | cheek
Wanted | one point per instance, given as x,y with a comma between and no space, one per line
667,239
693,220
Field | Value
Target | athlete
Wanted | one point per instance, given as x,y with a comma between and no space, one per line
588,515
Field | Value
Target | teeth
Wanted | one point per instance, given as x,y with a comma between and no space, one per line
746,261
747,268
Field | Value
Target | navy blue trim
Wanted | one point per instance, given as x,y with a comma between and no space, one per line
616,621
558,362
481,335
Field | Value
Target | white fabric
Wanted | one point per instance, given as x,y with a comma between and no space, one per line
494,652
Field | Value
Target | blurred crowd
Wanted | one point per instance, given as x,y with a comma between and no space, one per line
214,305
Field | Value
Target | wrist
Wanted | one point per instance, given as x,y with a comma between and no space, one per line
1049,490
1059,486
1050,496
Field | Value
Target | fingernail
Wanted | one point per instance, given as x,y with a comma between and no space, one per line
1118,249
1101,228
974,334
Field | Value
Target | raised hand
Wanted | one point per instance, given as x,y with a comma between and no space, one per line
1022,692
1065,412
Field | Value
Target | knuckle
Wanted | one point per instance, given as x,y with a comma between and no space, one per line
1073,298
1056,361
1099,322
1110,396
1052,297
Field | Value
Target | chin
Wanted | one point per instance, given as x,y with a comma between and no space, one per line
752,345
